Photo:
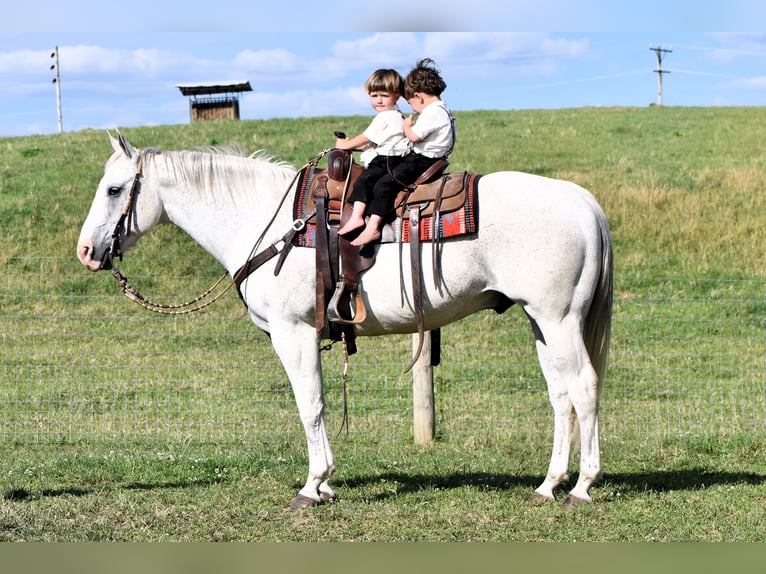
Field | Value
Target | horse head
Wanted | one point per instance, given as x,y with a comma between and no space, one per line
122,210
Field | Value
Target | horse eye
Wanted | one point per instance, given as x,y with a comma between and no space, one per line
114,190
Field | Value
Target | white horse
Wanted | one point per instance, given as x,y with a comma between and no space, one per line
543,244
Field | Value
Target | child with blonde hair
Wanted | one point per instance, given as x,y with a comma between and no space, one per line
383,143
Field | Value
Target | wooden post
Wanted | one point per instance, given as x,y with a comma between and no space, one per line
57,81
423,405
660,71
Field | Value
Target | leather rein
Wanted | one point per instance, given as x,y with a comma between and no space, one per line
197,303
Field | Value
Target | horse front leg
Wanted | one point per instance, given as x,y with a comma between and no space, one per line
298,349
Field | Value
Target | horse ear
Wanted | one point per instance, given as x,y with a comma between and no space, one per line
121,145
114,142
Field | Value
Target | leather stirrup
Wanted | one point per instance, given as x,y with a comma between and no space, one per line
346,306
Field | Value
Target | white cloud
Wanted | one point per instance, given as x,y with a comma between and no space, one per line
146,63
756,83
486,55
279,60
24,62
302,103
377,50
732,46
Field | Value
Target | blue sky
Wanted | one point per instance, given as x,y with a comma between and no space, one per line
126,75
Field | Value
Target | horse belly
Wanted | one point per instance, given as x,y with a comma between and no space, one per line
388,292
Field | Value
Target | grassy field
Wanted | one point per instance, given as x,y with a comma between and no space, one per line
120,425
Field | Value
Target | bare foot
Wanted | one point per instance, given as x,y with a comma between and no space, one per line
351,225
367,236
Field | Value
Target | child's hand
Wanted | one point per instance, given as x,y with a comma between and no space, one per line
340,137
409,121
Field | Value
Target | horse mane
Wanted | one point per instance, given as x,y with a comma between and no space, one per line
239,151
219,169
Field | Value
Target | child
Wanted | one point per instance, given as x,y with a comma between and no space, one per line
383,142
432,138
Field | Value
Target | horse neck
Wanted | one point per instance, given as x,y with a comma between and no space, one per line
223,202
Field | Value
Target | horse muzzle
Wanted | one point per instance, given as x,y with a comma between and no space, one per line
85,255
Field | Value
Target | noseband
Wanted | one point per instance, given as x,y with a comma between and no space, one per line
127,215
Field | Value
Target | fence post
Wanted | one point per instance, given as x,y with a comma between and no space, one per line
423,407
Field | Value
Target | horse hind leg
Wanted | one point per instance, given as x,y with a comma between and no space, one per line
572,390
558,468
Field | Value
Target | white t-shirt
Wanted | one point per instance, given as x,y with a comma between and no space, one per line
434,128
386,132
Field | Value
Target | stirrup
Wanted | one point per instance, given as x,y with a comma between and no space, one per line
346,306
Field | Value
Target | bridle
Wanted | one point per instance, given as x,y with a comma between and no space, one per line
127,214
122,227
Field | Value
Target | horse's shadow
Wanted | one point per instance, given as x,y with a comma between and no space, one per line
21,494
687,479
629,483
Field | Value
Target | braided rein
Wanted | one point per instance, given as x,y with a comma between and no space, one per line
197,303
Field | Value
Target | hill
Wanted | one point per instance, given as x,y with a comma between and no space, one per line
680,186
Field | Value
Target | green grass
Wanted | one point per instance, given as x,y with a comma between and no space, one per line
117,424
684,491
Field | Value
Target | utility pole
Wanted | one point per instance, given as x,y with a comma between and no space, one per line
660,71
57,81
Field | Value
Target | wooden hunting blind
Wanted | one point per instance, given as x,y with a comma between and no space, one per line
214,100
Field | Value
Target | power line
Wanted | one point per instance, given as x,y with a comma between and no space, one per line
660,71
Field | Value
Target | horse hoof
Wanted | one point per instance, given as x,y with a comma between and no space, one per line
537,498
301,501
570,501
326,497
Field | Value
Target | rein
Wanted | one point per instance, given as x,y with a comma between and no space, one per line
251,263
194,304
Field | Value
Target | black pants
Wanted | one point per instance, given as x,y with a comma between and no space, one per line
406,171
378,167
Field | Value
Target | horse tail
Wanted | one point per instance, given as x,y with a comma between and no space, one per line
598,321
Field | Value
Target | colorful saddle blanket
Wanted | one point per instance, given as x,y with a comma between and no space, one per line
457,214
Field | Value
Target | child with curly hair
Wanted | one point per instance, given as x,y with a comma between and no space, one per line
431,137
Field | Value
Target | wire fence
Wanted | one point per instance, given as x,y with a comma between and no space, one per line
79,363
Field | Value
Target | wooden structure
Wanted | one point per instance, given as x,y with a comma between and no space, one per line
423,402
214,100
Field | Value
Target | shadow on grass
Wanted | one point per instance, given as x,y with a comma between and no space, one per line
20,493
24,494
688,479
637,483
413,483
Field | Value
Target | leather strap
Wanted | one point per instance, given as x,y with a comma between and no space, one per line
324,279
417,287
436,347
253,264
435,242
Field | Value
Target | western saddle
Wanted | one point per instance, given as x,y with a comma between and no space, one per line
339,300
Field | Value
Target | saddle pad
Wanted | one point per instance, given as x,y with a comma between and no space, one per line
462,221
